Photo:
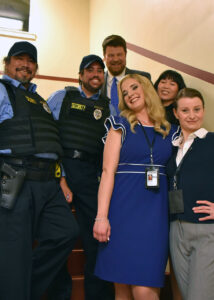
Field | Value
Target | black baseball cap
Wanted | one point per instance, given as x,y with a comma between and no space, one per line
89,59
23,47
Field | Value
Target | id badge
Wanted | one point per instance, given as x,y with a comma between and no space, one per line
152,178
176,202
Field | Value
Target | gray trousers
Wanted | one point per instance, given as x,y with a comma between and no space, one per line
192,253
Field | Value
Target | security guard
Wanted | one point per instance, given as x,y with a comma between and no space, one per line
81,113
32,205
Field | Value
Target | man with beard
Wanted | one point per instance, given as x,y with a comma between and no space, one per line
81,113
32,205
114,52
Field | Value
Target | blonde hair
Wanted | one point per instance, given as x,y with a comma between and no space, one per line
153,103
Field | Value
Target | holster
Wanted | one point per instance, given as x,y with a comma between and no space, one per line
11,184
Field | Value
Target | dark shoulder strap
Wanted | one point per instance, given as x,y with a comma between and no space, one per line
71,92
71,88
105,99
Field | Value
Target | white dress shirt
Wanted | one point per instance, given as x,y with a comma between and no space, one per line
110,80
182,150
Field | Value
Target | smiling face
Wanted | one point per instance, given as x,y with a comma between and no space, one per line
115,59
190,113
133,95
167,91
22,68
92,79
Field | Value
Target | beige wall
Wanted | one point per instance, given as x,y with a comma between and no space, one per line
69,29
62,40
62,37
181,30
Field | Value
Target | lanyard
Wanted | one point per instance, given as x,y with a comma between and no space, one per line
150,144
178,169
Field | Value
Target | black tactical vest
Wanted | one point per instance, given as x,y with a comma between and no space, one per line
32,129
81,122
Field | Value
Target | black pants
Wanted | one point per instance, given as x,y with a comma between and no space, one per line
82,178
40,213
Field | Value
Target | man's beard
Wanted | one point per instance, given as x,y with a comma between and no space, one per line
24,78
90,88
116,72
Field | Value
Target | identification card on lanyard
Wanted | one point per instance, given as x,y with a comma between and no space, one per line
152,172
152,177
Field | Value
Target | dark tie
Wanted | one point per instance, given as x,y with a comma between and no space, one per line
114,95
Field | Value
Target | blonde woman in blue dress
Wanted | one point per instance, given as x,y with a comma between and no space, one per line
132,217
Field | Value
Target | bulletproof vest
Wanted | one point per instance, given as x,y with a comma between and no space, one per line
81,122
32,129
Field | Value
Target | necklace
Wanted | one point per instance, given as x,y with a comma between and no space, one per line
146,122
141,120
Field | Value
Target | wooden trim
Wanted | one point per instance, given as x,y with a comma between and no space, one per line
172,63
55,78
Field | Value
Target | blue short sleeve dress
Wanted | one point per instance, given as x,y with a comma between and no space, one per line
138,248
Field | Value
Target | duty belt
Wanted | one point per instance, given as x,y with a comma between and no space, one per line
37,169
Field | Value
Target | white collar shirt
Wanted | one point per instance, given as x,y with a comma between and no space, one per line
182,150
110,80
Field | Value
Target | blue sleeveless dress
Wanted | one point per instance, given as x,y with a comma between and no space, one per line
138,248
